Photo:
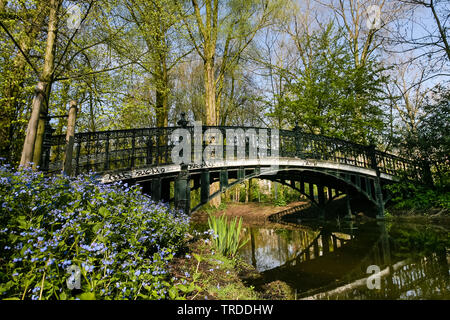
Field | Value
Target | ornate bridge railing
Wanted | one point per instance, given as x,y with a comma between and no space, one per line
121,150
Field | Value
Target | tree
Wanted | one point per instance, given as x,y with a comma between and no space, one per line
220,32
55,66
156,24
26,23
329,95
408,94
430,143
424,31
364,36
43,86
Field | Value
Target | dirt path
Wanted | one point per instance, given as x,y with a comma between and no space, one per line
253,213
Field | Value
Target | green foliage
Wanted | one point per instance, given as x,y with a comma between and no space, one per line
226,237
410,195
329,94
212,209
424,241
280,202
118,237
430,142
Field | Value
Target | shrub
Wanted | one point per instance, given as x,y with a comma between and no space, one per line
409,195
119,238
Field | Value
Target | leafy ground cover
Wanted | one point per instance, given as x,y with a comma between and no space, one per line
119,240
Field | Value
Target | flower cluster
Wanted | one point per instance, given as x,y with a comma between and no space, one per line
119,238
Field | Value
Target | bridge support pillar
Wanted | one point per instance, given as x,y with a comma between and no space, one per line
241,174
348,208
377,185
311,191
326,243
156,189
223,179
204,185
165,190
182,194
379,199
316,248
321,198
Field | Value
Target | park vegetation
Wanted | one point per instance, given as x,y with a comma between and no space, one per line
331,67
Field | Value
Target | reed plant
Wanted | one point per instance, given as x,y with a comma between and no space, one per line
226,237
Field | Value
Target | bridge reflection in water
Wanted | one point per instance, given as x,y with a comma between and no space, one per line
332,264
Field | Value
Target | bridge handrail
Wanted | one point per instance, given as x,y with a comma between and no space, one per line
123,149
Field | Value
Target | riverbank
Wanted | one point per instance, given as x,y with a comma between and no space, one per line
202,273
258,213
252,213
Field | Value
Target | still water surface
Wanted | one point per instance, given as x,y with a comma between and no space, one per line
331,261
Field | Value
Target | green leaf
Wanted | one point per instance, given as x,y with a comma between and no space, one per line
197,257
87,296
104,212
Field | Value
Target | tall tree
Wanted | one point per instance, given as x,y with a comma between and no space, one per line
220,31
434,37
157,23
25,25
43,86
330,95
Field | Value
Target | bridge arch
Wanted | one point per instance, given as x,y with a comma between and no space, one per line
320,186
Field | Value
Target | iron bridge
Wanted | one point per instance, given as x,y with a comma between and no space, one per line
319,167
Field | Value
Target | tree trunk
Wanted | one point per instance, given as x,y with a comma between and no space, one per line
10,128
162,99
32,141
28,146
210,105
70,138
210,92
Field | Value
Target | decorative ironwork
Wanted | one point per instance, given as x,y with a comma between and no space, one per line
121,150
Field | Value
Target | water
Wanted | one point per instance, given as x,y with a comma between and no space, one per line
331,261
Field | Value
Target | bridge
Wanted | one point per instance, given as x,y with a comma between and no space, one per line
319,167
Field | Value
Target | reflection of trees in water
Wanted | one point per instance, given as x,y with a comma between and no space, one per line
414,262
269,248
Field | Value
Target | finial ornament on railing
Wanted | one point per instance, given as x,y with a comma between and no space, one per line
183,122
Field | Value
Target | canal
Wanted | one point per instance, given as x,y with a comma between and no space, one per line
352,260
